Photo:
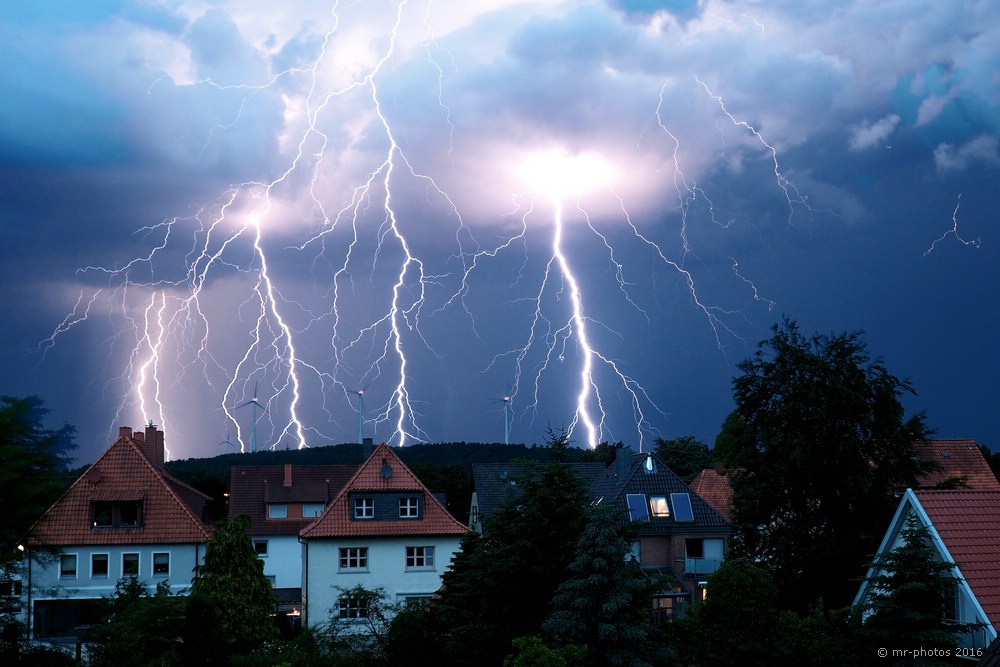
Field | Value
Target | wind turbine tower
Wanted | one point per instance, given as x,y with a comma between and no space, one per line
361,414
506,420
255,404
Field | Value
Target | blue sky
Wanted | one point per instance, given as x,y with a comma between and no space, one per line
595,208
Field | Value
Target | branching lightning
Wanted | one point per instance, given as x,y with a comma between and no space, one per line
216,306
953,231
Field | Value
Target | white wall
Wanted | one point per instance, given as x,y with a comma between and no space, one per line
386,570
283,560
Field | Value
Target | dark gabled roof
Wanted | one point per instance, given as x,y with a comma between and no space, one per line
251,488
712,485
960,463
336,520
171,510
629,475
496,482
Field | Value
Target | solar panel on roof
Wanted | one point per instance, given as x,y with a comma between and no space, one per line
682,506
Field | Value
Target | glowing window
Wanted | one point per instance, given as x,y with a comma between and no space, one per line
658,506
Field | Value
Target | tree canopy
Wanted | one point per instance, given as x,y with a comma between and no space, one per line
817,445
686,456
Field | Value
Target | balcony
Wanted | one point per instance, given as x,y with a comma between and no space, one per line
701,566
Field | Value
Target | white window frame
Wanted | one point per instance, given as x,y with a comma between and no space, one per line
277,511
352,608
138,564
420,558
63,571
364,508
312,510
107,566
261,553
658,506
409,507
352,559
153,571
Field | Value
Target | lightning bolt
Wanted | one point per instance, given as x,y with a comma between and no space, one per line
953,231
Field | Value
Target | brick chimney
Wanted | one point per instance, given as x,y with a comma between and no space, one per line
124,431
288,475
152,444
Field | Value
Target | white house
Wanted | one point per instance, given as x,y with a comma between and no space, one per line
125,517
383,530
964,527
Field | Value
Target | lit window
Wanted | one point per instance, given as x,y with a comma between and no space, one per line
161,564
99,565
364,508
658,506
352,607
130,565
277,511
67,566
354,558
312,510
260,547
409,508
419,557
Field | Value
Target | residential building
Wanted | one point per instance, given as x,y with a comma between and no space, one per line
495,483
964,527
280,501
712,485
126,516
679,536
383,530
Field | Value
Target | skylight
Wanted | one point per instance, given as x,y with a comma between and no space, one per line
682,506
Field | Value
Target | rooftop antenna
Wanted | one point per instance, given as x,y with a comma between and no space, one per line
360,393
254,403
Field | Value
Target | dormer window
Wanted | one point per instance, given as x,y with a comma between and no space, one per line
116,514
409,507
364,508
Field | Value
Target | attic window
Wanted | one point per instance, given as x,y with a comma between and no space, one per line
658,506
106,514
682,506
637,510
649,465
364,508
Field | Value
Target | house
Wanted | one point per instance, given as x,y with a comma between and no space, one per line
679,537
494,483
383,529
280,501
125,517
712,485
964,526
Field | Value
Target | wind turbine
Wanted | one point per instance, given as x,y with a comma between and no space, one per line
360,393
506,418
254,403
227,441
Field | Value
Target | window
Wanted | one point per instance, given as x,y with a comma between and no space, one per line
352,607
312,510
125,514
354,558
419,557
161,564
658,506
10,588
694,547
682,506
67,566
277,511
130,565
98,565
415,601
260,547
271,579
637,510
364,508
409,508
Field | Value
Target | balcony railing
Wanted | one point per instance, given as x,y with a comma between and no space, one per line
701,566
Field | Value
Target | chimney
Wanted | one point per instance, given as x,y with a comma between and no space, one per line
622,456
124,432
367,448
288,475
152,444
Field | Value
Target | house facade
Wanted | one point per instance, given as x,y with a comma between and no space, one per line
280,501
964,527
125,517
680,537
383,530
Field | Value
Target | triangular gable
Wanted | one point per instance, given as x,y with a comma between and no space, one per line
910,505
383,472
122,473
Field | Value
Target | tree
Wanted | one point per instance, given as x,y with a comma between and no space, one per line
231,604
139,629
31,458
817,446
604,605
499,587
363,638
686,456
910,593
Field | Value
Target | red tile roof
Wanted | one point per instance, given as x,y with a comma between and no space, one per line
336,521
959,460
969,525
712,484
171,510
252,487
